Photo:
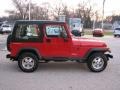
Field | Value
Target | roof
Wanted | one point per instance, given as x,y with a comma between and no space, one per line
38,21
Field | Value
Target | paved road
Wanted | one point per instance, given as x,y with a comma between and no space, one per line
3,41
62,76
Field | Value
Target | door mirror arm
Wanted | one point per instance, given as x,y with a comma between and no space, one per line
63,35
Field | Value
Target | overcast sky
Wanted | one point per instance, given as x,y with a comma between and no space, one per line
110,5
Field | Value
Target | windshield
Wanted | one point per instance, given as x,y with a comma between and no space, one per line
5,26
117,29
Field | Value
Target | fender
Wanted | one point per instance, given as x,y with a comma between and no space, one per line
93,50
33,50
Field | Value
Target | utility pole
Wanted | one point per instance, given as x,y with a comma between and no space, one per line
29,9
94,19
103,14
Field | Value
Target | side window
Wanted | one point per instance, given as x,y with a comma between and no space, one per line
25,31
55,30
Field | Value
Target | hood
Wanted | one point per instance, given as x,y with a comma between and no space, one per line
88,42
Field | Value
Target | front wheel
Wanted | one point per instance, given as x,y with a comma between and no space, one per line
97,62
28,62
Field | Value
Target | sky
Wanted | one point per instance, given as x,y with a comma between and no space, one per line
111,6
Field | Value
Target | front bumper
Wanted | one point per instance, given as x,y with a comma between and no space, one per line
109,56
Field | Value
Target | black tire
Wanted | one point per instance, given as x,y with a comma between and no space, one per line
8,42
91,62
76,33
94,35
32,56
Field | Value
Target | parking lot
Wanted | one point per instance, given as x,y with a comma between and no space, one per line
62,75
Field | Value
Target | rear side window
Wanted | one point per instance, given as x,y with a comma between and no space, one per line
27,32
54,30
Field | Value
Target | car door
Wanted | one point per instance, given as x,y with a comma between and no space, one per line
55,45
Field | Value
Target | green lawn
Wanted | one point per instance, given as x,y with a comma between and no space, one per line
108,33
89,32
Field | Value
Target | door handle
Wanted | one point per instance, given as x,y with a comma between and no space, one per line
48,40
65,40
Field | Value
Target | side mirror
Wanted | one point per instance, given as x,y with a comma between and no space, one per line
63,35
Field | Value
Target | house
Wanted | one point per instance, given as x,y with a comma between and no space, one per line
108,26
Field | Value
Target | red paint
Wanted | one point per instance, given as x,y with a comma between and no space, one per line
58,47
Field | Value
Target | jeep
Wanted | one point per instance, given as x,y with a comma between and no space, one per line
35,41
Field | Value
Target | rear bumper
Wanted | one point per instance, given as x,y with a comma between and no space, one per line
98,34
10,57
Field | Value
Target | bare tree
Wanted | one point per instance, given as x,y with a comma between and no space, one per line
45,11
61,9
22,7
84,11
57,11
39,13
65,11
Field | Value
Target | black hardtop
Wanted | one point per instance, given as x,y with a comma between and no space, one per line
38,22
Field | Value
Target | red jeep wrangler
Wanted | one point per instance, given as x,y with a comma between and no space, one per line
32,42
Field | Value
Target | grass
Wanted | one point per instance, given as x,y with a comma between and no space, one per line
106,32
86,32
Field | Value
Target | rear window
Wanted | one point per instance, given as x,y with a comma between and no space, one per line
98,30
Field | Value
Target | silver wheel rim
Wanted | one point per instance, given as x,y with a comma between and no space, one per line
28,62
98,63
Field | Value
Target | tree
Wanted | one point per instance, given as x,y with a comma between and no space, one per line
45,11
115,18
65,11
39,13
22,9
84,11
56,12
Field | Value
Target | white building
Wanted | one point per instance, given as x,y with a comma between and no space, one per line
116,24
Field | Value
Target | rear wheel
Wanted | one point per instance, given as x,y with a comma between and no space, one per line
8,42
28,62
115,35
97,62
94,35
